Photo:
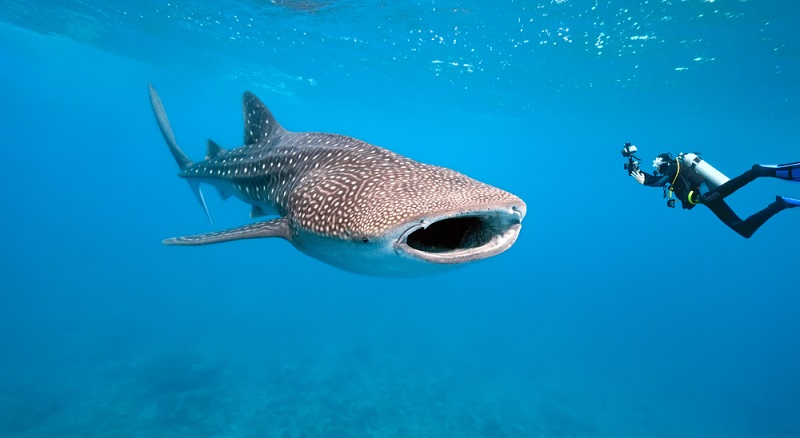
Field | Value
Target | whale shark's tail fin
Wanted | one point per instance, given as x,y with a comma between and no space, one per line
181,158
788,171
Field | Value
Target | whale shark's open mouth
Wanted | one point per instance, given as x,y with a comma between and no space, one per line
463,236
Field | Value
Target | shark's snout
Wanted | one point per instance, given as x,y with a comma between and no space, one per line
463,236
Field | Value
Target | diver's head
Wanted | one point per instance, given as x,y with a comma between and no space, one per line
661,163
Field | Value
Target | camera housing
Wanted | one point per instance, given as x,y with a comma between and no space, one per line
628,150
633,162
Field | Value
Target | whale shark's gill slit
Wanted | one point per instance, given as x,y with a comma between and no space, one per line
457,233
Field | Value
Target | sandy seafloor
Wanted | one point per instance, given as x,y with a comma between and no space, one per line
612,316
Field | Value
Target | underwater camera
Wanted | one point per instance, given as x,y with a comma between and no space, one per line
627,151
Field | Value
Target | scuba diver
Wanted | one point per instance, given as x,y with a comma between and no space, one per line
694,181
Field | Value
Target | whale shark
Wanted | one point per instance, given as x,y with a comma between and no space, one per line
345,202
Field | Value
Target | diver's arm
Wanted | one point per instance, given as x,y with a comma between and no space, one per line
655,181
646,179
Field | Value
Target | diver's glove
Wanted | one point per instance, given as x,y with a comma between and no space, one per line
638,175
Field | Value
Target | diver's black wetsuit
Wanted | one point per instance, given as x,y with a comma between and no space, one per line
688,181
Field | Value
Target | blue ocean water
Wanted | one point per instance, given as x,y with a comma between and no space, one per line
611,316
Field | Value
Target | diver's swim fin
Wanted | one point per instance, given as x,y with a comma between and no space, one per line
788,202
788,171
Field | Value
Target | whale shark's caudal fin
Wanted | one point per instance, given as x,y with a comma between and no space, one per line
180,157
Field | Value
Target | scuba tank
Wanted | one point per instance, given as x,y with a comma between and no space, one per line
713,177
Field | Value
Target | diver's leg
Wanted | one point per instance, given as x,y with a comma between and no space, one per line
737,183
724,213
746,227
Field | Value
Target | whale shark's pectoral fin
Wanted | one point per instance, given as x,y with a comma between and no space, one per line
271,228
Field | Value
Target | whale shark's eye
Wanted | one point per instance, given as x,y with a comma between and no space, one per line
365,239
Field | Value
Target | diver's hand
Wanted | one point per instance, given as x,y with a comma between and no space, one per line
638,176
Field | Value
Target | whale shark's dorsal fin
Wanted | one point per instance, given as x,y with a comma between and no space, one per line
259,123
213,149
